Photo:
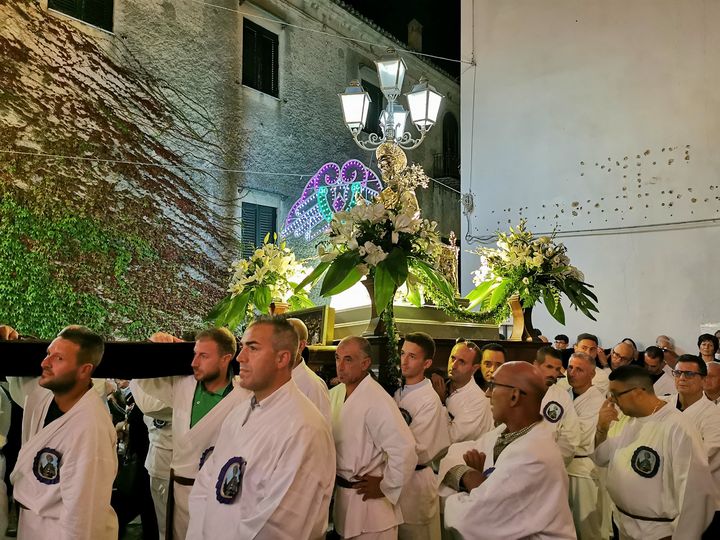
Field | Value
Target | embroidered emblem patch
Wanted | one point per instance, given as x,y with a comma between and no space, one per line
553,411
229,482
159,424
204,456
406,415
645,461
46,466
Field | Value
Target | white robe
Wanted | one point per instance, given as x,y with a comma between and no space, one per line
587,493
371,437
419,497
314,388
288,477
469,413
559,412
525,496
705,416
190,445
5,415
601,380
657,468
77,505
665,384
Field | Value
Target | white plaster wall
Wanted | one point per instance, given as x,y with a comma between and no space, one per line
601,119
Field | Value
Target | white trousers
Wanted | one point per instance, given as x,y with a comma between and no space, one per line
159,492
586,503
181,511
3,498
424,531
387,534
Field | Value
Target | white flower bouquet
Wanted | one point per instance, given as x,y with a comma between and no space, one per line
534,268
271,274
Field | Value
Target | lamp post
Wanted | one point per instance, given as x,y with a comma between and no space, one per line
423,104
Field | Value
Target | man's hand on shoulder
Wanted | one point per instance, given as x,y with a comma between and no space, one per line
8,333
164,337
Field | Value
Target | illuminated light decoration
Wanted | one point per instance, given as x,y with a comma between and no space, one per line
332,189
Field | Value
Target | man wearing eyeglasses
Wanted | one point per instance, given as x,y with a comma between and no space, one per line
658,474
557,406
511,483
622,354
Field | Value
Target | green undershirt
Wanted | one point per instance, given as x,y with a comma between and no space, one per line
204,401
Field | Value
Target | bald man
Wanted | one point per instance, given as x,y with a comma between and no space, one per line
510,483
711,384
305,378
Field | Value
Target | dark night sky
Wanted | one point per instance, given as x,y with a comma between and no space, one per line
440,20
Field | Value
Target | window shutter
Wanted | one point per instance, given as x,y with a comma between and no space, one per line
257,221
266,223
377,102
99,13
260,58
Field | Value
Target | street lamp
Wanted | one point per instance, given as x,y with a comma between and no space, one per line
423,104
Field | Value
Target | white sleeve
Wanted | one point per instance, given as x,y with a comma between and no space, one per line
568,433
428,425
21,387
5,415
155,394
149,404
711,439
390,433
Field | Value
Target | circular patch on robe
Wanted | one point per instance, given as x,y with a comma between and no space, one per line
406,415
645,461
553,411
229,482
46,466
159,424
203,457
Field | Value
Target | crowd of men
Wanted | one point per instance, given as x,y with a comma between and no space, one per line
576,443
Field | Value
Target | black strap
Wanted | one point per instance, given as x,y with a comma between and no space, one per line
642,518
420,467
343,483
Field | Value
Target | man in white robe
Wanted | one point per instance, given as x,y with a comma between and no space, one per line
661,373
557,405
468,410
67,463
272,472
200,404
658,474
423,412
711,384
159,456
586,490
375,448
589,344
305,378
511,483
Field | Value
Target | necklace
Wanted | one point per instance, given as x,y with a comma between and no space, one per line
658,406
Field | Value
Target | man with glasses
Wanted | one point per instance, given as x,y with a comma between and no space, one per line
660,372
689,374
561,342
557,406
468,409
622,354
658,474
525,493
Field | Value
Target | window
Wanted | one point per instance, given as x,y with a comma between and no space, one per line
96,12
377,104
257,221
260,58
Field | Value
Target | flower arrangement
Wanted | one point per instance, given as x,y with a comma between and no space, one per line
386,239
533,268
271,274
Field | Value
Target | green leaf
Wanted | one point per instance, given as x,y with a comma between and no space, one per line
397,264
238,310
338,273
499,294
218,314
314,275
554,308
384,286
262,298
559,313
300,301
413,295
479,293
439,281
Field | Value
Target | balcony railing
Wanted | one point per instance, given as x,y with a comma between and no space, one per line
446,166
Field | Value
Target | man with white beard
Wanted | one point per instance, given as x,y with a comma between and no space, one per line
586,490
557,406
375,448
422,410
